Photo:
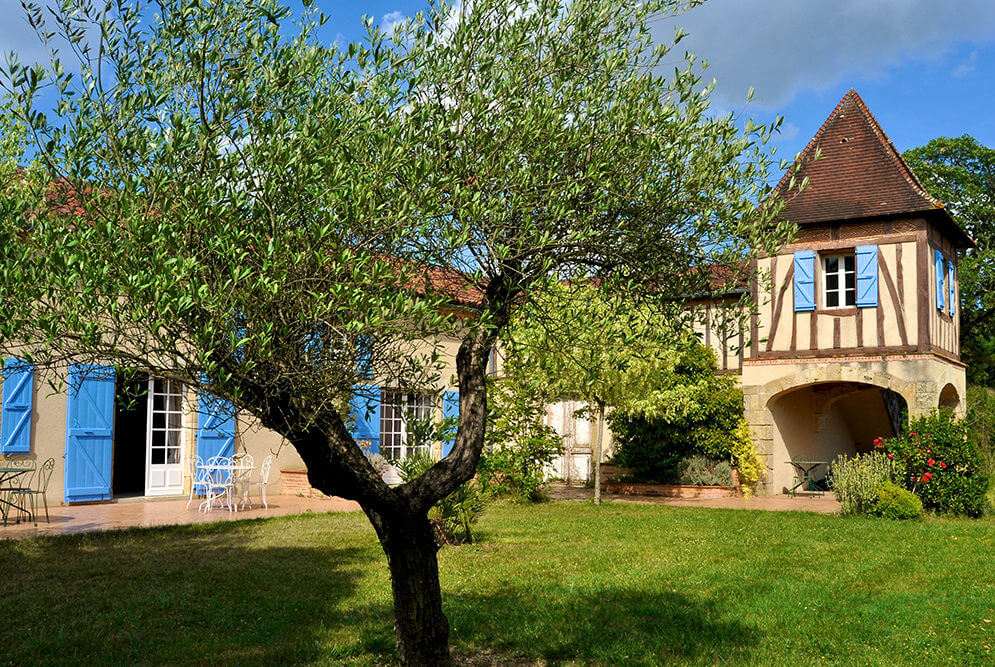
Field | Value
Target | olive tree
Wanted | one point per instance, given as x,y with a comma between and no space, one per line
216,195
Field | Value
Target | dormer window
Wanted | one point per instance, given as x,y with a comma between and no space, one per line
839,281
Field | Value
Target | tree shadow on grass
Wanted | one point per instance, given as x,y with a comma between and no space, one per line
610,626
311,591
179,594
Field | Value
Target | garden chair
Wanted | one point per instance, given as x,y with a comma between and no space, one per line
218,482
198,478
28,494
16,483
261,482
243,464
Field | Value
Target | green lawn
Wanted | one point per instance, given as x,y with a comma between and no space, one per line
564,582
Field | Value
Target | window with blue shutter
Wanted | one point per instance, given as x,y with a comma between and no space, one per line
952,289
18,393
364,409
450,409
940,273
867,276
804,280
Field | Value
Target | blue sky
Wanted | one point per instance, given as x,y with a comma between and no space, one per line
925,68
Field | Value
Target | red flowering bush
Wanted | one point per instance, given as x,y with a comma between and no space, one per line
936,461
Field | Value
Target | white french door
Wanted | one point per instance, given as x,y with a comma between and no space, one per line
164,450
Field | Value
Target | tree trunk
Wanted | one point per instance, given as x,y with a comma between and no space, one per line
597,454
420,627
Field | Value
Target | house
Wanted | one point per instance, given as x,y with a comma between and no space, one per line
857,324
857,320
115,433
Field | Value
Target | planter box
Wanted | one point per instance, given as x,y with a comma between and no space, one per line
610,471
667,490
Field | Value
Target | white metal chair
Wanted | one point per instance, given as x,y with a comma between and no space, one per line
261,482
218,483
198,477
243,463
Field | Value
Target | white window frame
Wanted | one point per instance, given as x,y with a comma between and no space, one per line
841,272
396,408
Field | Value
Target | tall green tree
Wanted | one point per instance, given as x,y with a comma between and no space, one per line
960,172
220,197
580,342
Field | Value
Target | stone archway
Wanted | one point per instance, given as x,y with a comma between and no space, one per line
949,398
822,421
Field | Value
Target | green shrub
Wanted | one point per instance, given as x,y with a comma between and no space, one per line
894,502
937,461
701,470
706,425
856,481
454,516
519,446
749,462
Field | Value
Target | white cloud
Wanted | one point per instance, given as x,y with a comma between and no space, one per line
392,20
967,66
782,46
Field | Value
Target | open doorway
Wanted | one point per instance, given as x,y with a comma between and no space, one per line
131,405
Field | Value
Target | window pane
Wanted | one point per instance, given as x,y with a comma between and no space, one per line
832,281
173,455
158,438
851,297
848,262
158,455
832,299
851,281
174,403
832,264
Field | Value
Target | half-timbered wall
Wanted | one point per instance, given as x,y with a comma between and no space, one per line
893,326
718,327
943,322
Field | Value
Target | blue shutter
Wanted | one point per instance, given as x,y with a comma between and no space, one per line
15,422
940,272
953,290
215,427
89,432
805,280
867,276
364,407
450,408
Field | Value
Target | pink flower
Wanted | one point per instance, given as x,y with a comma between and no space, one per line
930,462
926,477
890,455
942,464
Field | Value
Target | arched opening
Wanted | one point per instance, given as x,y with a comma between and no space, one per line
819,422
949,398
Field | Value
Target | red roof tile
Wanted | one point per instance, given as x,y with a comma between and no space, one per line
858,174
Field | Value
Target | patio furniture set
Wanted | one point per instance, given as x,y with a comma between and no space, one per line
22,483
805,477
222,480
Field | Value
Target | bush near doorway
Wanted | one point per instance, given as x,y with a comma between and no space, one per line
894,502
936,460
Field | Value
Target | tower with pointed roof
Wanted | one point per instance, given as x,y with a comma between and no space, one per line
858,320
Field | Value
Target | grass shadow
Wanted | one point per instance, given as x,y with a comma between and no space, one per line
608,626
212,592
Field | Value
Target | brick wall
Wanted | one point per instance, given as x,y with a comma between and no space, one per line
294,483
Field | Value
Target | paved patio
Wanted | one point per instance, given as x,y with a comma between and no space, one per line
826,504
130,513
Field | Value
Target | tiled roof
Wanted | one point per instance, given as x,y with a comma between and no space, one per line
858,174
